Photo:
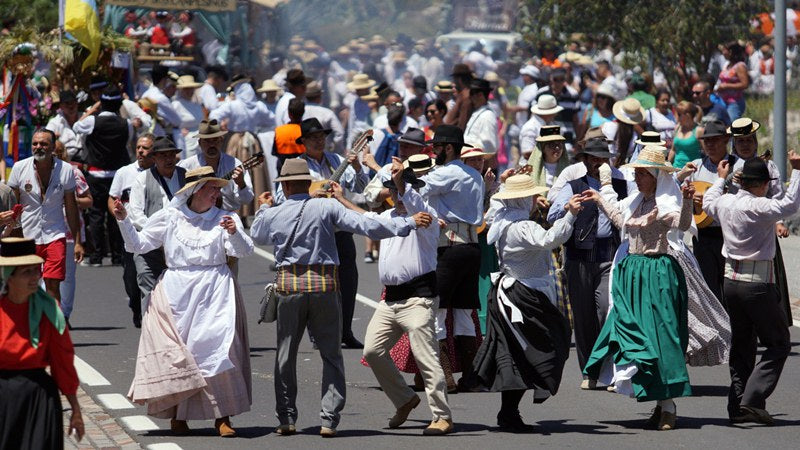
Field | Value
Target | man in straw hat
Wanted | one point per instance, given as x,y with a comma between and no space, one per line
444,90
271,91
295,85
326,117
544,113
748,222
308,290
407,268
707,246
482,124
152,191
589,252
190,112
48,208
358,110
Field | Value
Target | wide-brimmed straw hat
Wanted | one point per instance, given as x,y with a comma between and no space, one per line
187,82
546,105
16,251
269,85
743,126
372,96
475,151
199,175
550,133
650,138
629,111
295,169
210,129
419,163
444,86
519,186
360,81
652,157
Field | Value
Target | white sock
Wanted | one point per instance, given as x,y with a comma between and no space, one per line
667,405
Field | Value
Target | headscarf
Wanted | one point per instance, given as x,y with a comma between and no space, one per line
39,303
503,213
539,173
245,93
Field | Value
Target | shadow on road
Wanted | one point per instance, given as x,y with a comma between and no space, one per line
94,344
209,431
709,391
73,329
548,427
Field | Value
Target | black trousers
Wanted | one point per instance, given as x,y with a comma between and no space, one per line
587,284
99,220
756,315
131,284
348,279
707,248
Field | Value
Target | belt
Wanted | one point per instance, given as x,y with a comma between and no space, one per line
303,278
750,271
421,286
458,233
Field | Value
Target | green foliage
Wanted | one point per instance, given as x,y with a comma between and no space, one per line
667,32
41,14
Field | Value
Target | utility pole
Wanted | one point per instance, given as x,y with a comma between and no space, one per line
779,107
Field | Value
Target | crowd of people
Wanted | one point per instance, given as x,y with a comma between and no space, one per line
509,206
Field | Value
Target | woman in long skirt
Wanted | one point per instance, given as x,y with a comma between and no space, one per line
527,337
193,361
645,336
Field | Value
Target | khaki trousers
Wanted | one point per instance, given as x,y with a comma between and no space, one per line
414,316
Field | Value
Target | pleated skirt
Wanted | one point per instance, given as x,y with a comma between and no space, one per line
30,411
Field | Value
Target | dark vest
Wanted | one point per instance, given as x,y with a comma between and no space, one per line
154,193
106,146
584,233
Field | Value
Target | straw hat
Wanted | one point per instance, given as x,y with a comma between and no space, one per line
475,151
295,169
269,85
16,251
519,186
629,111
420,163
491,77
444,86
650,138
399,56
550,133
743,126
187,82
203,174
652,157
360,81
372,96
546,105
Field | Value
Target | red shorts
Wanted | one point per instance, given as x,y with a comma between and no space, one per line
55,259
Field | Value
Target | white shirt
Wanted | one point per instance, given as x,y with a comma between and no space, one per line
327,118
282,109
207,96
232,197
527,98
71,140
482,127
455,190
165,110
529,132
123,180
191,115
358,117
404,258
748,222
85,126
42,219
578,170
137,202
242,116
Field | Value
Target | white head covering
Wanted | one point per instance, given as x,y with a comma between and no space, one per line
245,93
503,213
180,199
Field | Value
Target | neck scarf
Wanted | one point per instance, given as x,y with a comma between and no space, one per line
539,172
505,213
39,303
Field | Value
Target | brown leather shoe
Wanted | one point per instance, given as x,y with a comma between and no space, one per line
327,432
402,412
179,426
439,428
667,421
223,426
286,429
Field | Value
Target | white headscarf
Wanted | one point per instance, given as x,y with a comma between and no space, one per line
178,200
245,93
503,213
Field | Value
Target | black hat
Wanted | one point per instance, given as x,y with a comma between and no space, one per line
67,97
448,134
297,77
597,148
413,136
479,84
310,126
218,71
111,94
159,73
164,144
715,128
240,78
461,70
97,82
409,177
755,169
420,82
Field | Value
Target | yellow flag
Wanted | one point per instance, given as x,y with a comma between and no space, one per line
82,22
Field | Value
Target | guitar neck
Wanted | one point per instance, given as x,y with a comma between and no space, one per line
248,164
359,145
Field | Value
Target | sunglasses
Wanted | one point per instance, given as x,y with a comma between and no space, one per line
696,93
430,112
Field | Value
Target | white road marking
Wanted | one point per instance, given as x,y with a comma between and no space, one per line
164,446
360,298
88,375
796,323
138,423
114,401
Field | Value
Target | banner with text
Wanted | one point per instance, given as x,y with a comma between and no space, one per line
172,5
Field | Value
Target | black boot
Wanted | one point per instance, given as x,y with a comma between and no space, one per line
508,419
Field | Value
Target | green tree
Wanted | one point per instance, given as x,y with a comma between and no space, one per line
670,34
41,14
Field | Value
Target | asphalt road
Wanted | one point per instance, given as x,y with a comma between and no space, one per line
105,338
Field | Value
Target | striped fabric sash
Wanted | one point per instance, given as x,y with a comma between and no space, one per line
301,278
750,271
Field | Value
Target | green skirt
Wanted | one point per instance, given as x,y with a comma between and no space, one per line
647,327
488,265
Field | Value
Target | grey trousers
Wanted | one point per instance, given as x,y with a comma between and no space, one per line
755,312
321,313
587,283
149,267
414,316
